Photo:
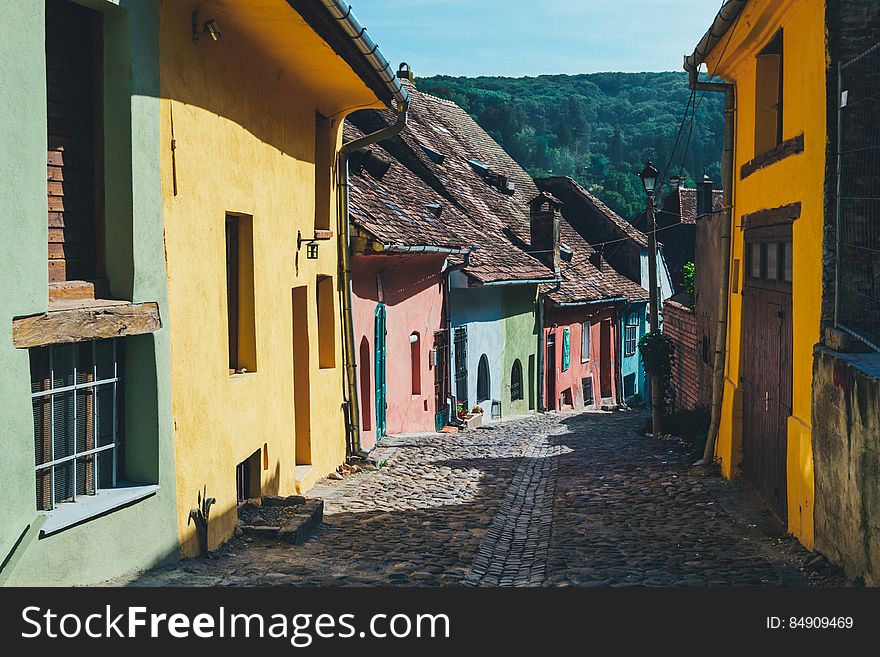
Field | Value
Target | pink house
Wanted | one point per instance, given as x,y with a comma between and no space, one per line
402,239
403,295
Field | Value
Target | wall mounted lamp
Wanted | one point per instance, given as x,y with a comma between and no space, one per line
311,246
207,29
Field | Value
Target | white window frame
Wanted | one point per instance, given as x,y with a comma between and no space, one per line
585,342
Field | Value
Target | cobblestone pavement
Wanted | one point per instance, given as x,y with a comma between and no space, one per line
553,500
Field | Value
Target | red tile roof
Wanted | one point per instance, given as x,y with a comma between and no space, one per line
476,210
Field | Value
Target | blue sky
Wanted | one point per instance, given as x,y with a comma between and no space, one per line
529,37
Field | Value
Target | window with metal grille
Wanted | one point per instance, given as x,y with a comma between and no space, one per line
631,334
857,306
77,406
461,372
516,382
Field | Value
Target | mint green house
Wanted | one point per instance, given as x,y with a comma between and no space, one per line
87,474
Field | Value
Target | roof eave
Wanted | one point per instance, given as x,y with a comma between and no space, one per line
725,17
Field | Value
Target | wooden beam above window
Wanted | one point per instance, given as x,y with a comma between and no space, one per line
78,322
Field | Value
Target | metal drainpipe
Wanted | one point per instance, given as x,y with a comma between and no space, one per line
453,410
344,245
729,91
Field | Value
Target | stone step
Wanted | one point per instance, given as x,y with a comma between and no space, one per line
307,516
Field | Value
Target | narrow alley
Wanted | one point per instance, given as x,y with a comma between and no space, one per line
551,500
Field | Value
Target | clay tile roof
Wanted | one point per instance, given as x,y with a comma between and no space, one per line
432,163
495,222
621,224
583,281
396,208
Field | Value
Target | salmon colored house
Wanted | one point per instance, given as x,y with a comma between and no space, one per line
400,252
582,319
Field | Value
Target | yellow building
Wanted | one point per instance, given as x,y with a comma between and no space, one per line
773,53
253,95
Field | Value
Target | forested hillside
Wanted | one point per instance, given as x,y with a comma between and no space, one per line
598,128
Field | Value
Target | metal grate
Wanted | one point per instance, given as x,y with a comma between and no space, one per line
74,393
461,371
857,308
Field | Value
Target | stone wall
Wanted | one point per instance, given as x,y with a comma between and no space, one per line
679,324
846,455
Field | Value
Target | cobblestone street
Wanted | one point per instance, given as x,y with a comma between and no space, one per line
551,500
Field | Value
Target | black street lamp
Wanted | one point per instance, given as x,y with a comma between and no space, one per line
649,178
649,182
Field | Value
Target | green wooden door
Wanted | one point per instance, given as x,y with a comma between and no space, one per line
380,371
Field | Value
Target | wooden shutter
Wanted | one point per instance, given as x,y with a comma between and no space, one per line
73,42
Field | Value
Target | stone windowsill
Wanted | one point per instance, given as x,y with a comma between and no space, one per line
89,507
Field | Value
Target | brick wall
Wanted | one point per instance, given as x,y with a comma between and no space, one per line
680,325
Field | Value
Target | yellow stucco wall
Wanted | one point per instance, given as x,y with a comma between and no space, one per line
241,112
796,178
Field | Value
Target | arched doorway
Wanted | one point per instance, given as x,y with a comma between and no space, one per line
516,381
366,385
483,383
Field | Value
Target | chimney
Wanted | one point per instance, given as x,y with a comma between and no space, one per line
544,226
704,196
404,72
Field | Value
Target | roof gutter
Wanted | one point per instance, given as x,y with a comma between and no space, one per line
403,248
521,281
341,11
577,304
727,16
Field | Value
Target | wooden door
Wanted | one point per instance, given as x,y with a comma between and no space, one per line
381,405
605,359
441,378
551,372
766,374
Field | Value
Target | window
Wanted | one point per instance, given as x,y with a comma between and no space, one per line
516,381
566,348
240,320
326,323
768,96
324,147
787,267
74,95
770,261
415,363
247,477
631,334
483,384
585,342
77,418
755,257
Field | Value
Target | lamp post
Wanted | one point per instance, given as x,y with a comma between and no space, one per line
649,180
